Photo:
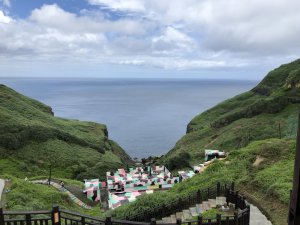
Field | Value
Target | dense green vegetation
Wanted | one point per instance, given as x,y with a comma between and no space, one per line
24,195
32,140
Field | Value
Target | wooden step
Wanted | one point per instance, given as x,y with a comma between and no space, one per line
193,211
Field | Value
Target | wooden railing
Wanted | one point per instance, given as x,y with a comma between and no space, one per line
58,216
184,202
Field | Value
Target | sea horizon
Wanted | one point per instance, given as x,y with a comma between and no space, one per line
146,116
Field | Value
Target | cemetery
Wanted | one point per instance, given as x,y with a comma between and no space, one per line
124,186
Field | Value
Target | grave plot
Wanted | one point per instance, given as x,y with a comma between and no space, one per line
92,189
124,187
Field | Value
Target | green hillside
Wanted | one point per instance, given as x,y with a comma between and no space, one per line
267,184
267,111
258,129
32,139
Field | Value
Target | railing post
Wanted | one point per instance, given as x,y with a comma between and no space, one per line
82,220
181,206
1,216
200,220
108,221
218,189
153,221
236,218
236,199
198,196
207,193
28,219
55,215
248,216
219,219
163,211
227,195
178,221
232,186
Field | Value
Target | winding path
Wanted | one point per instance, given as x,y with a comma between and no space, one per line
62,189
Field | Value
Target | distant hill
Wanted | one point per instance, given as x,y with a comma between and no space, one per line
32,138
267,111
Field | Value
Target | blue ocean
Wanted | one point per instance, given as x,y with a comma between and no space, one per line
145,116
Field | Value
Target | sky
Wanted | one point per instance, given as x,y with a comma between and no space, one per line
217,39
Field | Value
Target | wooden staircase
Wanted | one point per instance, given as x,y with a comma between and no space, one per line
192,212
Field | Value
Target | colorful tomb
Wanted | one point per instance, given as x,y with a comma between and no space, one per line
92,189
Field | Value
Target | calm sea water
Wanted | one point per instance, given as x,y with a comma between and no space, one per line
146,117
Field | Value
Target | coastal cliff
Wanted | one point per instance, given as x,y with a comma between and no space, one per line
269,110
32,139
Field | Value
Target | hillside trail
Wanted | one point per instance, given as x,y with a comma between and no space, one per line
257,217
64,190
2,184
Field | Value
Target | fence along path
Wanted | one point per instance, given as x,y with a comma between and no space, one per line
58,216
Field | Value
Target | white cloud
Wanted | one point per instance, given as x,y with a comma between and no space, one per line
120,5
4,19
52,16
171,41
189,34
268,27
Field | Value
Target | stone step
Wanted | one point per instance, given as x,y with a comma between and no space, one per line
221,200
179,215
206,206
186,214
193,211
199,208
166,220
173,218
212,203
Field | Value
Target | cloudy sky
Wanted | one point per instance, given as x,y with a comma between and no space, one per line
240,39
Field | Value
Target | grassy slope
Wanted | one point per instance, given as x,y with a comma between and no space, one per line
246,126
254,115
31,139
27,196
267,184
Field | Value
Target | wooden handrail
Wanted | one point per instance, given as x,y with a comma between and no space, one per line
15,213
55,215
